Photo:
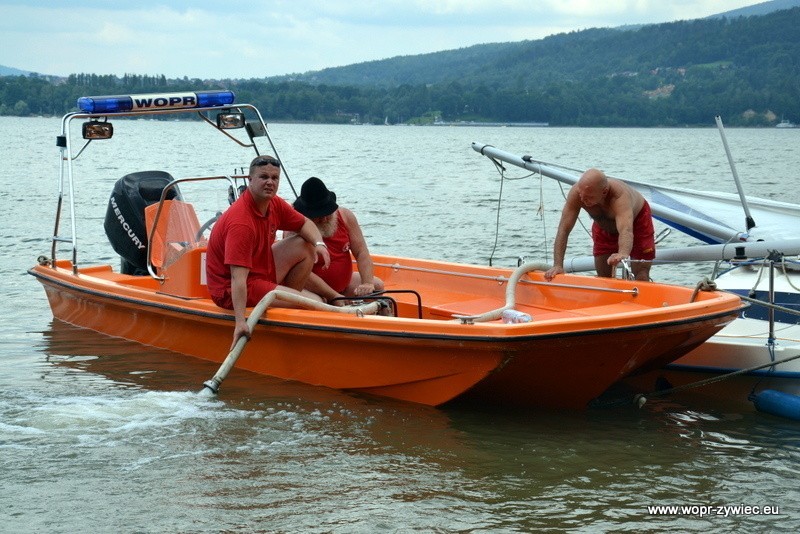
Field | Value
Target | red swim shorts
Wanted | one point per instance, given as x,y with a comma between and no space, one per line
256,289
644,244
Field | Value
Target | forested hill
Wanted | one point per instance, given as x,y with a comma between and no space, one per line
746,69
758,44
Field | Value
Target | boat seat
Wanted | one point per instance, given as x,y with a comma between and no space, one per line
466,307
186,277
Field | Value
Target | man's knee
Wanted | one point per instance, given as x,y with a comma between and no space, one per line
601,265
294,258
293,251
294,247
642,274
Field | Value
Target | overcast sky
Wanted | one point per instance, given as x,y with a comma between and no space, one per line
258,38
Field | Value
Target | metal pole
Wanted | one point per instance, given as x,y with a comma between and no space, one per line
748,219
771,309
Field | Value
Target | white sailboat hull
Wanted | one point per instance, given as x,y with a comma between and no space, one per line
743,344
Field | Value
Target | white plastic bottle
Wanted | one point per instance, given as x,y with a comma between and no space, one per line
514,316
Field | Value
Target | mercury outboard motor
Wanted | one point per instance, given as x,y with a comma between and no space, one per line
125,220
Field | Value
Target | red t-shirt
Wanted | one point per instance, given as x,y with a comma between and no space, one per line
340,272
244,237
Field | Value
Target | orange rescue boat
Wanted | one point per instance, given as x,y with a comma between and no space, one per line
440,331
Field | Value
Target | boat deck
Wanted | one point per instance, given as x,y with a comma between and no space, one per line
447,310
439,305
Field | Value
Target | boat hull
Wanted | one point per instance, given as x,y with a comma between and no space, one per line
409,368
587,364
556,364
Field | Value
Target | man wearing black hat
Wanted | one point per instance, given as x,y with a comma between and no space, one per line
342,236
243,261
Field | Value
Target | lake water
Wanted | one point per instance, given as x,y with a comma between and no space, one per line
102,435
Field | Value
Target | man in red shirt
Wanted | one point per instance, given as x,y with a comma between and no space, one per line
343,237
243,261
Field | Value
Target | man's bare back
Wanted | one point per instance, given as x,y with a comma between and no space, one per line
619,193
614,206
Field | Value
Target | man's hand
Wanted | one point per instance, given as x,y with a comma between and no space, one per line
552,272
364,289
614,259
322,252
241,329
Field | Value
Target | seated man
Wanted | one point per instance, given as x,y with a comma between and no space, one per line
243,261
343,237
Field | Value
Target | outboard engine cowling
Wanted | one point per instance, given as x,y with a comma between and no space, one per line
125,220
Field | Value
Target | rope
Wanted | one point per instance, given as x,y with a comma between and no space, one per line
627,272
540,212
501,170
703,285
707,285
720,378
641,398
786,274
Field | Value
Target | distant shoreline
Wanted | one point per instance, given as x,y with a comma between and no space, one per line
464,124
500,124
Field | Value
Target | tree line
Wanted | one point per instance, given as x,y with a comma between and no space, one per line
746,70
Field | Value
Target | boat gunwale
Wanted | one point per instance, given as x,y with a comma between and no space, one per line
509,337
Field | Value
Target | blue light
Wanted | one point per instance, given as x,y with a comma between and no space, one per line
149,102
104,104
215,98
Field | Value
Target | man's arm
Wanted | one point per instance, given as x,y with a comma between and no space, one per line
310,233
569,215
623,218
239,298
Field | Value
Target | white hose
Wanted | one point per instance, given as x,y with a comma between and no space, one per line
511,290
259,310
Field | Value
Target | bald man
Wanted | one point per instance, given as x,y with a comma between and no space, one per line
622,227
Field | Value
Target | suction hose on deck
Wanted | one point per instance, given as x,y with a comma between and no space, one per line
511,291
213,384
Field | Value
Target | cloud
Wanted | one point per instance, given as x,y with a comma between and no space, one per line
257,38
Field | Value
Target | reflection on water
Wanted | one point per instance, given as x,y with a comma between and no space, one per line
137,413
289,456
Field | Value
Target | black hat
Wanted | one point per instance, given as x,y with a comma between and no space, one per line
315,200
